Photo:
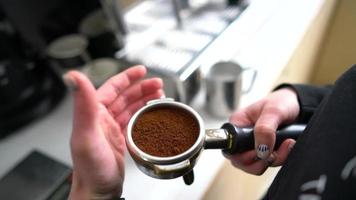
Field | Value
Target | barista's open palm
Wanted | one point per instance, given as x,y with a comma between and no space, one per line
99,123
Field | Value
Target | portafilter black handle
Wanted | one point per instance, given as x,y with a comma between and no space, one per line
242,139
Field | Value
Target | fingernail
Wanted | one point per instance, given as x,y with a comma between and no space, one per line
262,151
291,145
226,155
256,159
70,83
163,96
270,160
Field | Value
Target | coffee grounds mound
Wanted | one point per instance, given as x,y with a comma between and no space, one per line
165,131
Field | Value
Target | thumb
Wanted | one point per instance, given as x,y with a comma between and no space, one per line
85,102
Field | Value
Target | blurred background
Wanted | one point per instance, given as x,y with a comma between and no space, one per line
180,41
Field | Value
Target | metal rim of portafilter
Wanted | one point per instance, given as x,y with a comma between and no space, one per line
167,167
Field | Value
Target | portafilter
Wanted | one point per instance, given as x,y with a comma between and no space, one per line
229,138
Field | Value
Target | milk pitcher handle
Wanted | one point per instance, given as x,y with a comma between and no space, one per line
242,139
254,75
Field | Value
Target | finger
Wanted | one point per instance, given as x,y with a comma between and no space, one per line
240,118
265,129
108,92
243,159
256,167
123,118
247,116
134,93
279,157
248,162
85,102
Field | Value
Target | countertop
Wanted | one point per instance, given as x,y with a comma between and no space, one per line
264,49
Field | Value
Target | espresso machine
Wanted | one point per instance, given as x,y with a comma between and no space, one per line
30,86
175,38
41,40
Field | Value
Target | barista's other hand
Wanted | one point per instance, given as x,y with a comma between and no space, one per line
99,121
279,107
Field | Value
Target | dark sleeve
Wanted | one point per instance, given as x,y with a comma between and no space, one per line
309,98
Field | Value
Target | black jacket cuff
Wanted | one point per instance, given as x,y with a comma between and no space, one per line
309,98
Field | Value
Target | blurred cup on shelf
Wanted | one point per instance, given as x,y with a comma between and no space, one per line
102,39
101,69
224,88
69,51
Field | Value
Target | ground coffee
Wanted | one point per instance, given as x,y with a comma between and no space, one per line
165,131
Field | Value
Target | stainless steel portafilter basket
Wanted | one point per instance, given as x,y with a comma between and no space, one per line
229,138
166,167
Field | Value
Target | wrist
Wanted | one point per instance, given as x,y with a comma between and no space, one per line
82,192
290,91
76,194
289,98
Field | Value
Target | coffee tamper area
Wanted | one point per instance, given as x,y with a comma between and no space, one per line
233,139
229,138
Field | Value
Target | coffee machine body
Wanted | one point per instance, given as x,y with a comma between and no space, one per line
30,87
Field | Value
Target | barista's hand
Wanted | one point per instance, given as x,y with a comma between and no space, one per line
279,107
99,122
